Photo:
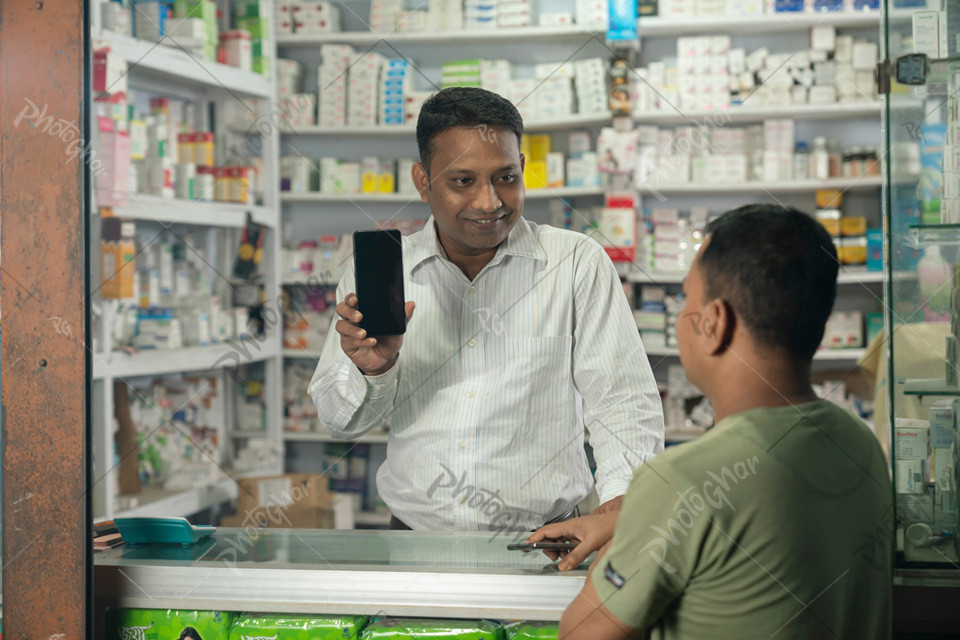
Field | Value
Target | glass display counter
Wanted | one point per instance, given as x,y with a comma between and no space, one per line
922,297
375,573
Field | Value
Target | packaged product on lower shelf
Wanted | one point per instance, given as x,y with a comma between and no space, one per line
293,627
410,628
161,624
532,631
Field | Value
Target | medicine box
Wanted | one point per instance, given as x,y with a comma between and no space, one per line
910,476
911,443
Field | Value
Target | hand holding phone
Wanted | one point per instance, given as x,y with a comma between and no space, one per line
371,333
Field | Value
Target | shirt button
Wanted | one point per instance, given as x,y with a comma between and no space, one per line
472,289
377,386
470,394
463,445
473,342
463,499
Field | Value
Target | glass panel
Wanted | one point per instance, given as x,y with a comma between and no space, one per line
922,204
325,549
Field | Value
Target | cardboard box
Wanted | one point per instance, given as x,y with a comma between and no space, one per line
293,492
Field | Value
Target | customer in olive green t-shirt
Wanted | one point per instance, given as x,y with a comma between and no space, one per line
778,522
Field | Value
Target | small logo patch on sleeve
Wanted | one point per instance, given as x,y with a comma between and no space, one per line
613,577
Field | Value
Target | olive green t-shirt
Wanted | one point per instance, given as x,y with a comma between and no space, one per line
776,523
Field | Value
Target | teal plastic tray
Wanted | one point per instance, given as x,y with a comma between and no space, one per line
161,531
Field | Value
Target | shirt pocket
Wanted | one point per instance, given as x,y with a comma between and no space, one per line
539,379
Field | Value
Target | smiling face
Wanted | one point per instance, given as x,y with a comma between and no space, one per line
474,188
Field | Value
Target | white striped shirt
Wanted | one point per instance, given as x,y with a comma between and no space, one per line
495,382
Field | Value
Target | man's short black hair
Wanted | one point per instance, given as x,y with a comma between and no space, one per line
777,267
463,107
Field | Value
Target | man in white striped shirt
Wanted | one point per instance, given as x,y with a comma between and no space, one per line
522,338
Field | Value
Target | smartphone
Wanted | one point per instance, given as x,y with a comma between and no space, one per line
378,264
542,546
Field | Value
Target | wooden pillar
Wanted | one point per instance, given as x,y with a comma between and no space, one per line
43,47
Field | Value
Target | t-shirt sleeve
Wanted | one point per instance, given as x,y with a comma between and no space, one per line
655,545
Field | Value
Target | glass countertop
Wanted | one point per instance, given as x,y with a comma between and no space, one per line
324,549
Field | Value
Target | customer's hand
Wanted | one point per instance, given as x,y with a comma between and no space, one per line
373,356
592,532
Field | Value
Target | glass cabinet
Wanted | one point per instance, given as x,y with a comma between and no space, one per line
921,392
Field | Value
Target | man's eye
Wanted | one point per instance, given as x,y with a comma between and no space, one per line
509,178
462,181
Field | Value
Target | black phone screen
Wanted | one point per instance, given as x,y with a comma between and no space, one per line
378,262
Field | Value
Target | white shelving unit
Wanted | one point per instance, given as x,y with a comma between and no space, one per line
577,121
764,23
335,140
366,39
844,355
862,183
378,437
165,61
758,113
165,69
847,275
212,214
120,364
162,504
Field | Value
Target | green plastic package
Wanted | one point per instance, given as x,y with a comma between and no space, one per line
416,628
283,626
532,631
168,624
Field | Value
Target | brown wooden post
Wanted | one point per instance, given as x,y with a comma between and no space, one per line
43,302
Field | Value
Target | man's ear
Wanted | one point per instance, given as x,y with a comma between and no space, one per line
420,180
717,325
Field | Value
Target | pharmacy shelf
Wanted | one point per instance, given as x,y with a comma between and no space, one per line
845,355
370,39
157,503
301,353
744,114
372,518
407,198
151,362
375,437
575,121
356,198
763,23
169,62
862,183
847,275
306,282
929,387
175,211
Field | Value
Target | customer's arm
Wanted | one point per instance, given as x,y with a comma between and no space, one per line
348,402
649,562
621,404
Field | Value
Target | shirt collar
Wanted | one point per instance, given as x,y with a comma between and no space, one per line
522,242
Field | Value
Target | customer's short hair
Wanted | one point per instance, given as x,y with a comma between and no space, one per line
463,107
777,268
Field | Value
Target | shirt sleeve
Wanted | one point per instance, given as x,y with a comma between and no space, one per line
621,403
655,545
349,403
